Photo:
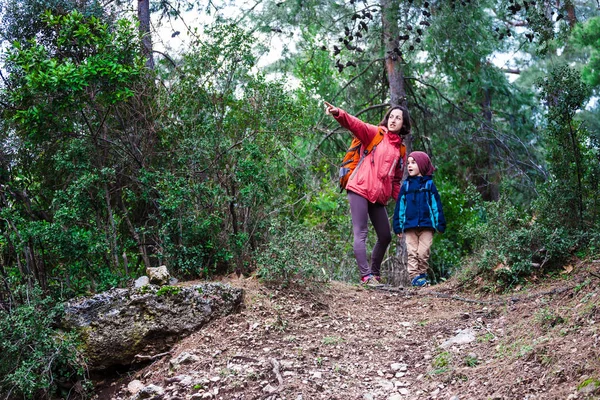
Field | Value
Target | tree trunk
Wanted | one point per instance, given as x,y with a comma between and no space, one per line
393,67
144,17
136,237
571,16
490,185
112,230
396,270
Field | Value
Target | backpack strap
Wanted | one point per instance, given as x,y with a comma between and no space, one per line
433,205
402,204
374,142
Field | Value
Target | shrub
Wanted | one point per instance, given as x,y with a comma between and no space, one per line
38,360
463,210
513,244
296,254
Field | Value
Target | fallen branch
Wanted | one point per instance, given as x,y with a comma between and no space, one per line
594,274
140,357
275,365
272,392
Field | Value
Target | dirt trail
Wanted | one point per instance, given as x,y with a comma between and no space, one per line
354,343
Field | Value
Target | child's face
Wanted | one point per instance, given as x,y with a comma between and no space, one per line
413,168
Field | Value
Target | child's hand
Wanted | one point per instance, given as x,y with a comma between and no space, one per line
330,109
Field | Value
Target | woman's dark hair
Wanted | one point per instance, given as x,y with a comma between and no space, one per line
405,130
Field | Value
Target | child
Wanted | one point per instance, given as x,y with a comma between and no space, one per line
418,215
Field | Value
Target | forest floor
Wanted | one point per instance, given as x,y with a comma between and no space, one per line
349,342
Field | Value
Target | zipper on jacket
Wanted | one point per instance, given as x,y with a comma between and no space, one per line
373,155
392,167
356,169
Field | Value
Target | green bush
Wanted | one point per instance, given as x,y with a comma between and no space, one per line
38,360
513,244
563,222
296,254
463,209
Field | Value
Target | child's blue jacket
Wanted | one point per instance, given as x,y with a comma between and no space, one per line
419,206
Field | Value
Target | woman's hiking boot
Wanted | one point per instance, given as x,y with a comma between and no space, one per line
370,281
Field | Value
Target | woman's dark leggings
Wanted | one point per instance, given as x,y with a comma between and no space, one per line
361,209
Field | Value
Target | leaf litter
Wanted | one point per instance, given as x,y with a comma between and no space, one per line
348,342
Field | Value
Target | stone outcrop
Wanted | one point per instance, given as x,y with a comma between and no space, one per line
124,325
159,275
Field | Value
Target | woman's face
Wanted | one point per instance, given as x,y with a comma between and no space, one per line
395,121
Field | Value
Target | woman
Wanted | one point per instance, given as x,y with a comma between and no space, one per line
374,182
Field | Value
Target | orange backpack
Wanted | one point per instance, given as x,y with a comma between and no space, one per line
353,156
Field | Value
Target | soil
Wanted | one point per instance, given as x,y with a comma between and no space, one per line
349,342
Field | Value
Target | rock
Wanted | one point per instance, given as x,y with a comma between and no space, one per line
141,282
269,389
135,386
589,386
398,367
454,398
148,392
119,324
463,337
183,359
395,397
385,385
159,275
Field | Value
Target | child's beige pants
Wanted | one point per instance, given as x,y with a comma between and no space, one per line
418,243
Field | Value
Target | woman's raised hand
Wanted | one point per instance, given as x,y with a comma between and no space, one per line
330,109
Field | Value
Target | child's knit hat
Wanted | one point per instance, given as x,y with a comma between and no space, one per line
423,162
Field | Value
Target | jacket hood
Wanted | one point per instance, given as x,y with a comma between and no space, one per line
394,138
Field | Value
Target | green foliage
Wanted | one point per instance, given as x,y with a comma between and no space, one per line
588,35
572,158
470,360
515,242
38,361
441,363
592,382
511,245
296,254
463,211
168,291
22,19
332,340
233,157
83,63
107,168
548,319
66,90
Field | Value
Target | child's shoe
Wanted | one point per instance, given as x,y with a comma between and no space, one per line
419,280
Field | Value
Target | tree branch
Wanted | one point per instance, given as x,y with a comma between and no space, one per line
515,71
330,133
356,77
166,56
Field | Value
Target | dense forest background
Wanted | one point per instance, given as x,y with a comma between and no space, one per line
116,156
